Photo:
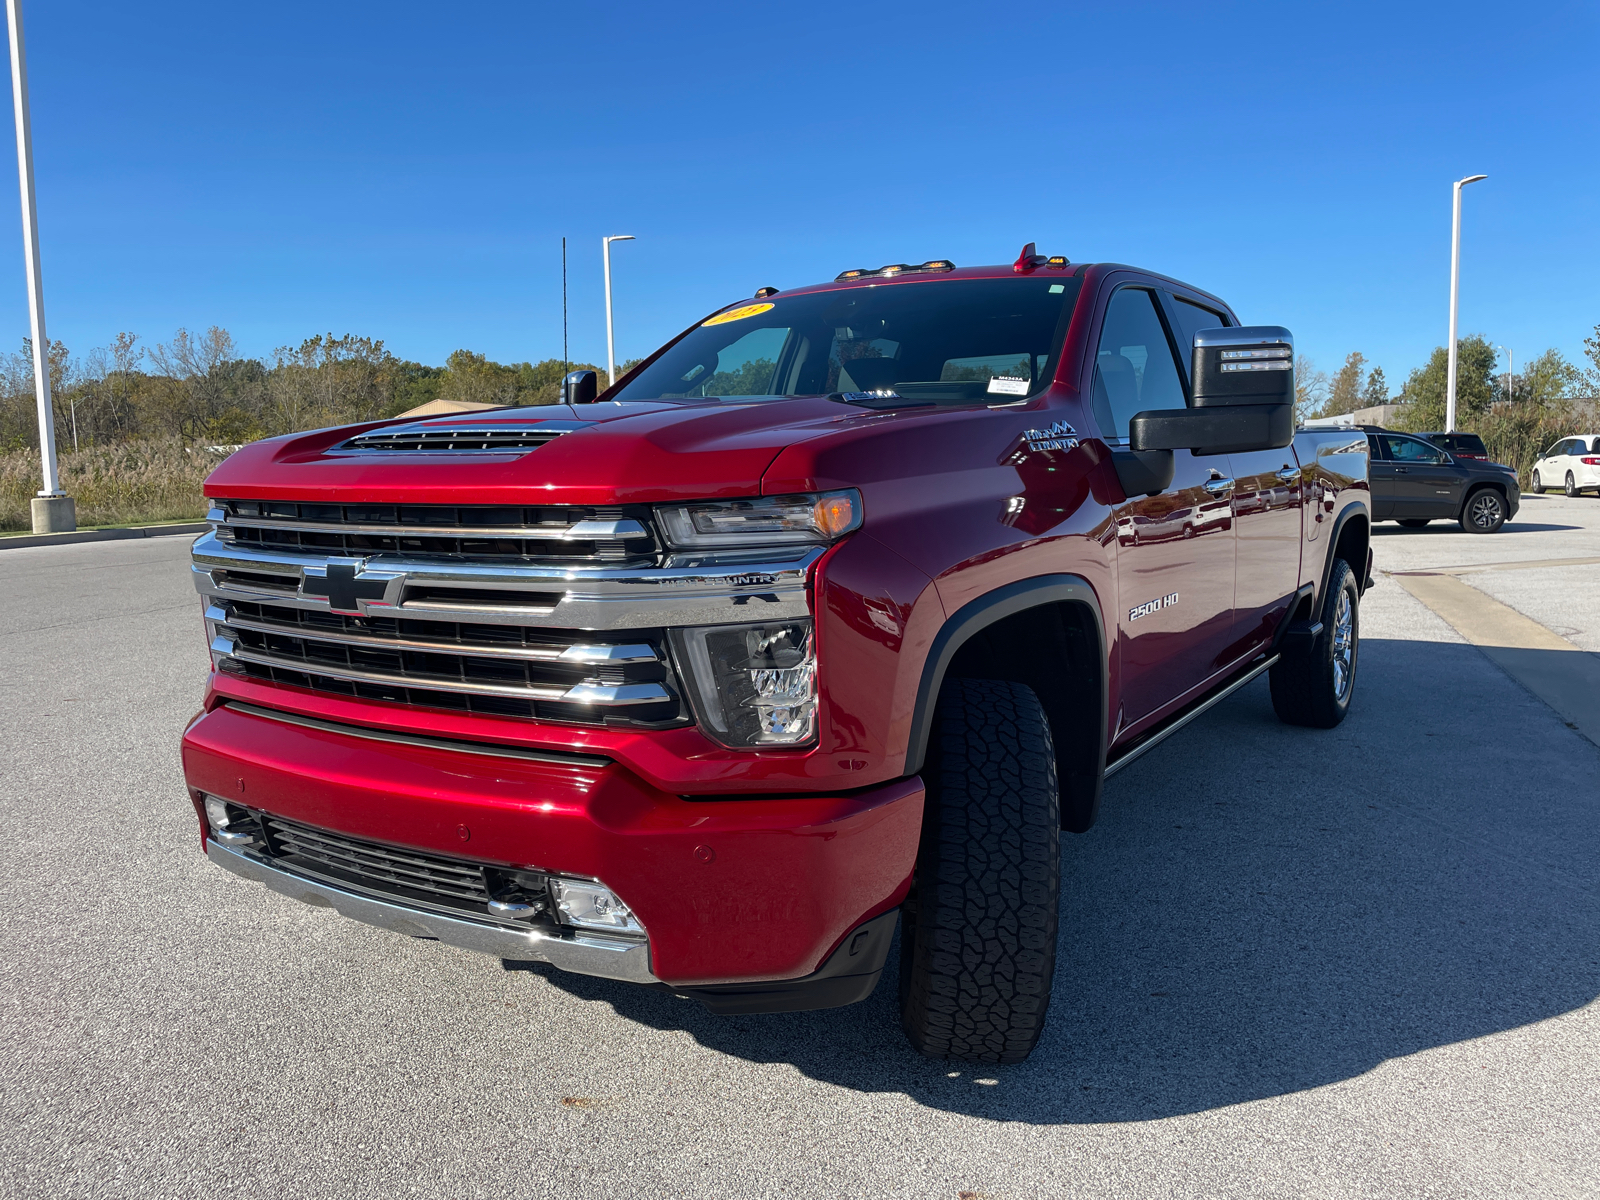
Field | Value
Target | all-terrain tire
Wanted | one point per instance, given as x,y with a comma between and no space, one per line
978,943
1312,685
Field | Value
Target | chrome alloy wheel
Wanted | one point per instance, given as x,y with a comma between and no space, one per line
1484,510
1344,645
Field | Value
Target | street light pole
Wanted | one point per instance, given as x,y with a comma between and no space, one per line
611,344
52,508
1511,369
1455,282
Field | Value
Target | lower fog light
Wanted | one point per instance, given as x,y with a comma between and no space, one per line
220,815
592,906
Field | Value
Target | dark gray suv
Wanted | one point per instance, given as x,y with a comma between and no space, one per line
1415,481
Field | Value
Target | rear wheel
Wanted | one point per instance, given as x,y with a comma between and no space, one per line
1484,511
1416,522
1572,485
1312,686
1537,488
978,945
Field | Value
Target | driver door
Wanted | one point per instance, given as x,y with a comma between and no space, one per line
1175,551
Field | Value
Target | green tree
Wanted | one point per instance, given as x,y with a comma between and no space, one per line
1377,389
1425,387
1547,378
1344,390
1591,351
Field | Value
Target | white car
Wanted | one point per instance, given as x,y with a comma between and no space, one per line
1572,465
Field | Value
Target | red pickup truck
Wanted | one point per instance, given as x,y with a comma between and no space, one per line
829,616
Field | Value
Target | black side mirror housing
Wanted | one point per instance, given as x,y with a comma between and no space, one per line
580,387
1250,364
1229,429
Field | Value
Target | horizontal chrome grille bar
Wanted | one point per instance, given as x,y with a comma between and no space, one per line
587,692
684,590
581,531
566,655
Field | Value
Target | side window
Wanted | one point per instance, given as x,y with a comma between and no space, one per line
1410,450
1133,367
1191,318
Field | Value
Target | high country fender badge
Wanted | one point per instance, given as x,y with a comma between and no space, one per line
1150,606
1060,436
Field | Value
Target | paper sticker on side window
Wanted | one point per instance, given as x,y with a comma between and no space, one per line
1002,385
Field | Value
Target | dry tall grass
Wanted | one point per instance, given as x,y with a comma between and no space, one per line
130,483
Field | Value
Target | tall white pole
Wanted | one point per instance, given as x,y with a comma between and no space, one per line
30,250
1455,283
611,344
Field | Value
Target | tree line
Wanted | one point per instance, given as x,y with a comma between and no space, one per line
197,388
1548,382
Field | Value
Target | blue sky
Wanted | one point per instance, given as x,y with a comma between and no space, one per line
407,171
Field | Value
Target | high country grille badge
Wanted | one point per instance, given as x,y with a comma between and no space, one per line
1060,436
1150,606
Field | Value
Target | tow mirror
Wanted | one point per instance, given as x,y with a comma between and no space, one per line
579,387
1242,400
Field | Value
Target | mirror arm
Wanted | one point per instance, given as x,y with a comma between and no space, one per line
1144,472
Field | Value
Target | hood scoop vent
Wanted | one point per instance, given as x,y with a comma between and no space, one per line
428,438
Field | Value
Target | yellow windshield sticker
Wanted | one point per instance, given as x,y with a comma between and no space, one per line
737,314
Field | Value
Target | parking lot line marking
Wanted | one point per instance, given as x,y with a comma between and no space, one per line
1552,668
1525,565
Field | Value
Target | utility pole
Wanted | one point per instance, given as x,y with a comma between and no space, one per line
611,344
1455,287
53,509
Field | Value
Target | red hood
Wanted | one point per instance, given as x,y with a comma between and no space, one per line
627,453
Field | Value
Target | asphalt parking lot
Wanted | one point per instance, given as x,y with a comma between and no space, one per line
1294,963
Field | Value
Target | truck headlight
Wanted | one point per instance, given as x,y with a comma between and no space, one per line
752,685
814,519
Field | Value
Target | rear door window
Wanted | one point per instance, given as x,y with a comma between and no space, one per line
1133,368
1412,450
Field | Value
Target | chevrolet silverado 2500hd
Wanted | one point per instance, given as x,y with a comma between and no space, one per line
829,616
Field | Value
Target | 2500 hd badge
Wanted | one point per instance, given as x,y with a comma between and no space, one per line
1150,606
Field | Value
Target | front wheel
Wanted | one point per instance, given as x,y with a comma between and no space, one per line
1484,512
1312,685
978,945
1536,487
1572,485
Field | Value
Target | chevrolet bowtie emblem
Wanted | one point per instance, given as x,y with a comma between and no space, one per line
346,583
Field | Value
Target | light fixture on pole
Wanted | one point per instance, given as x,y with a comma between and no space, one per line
1511,370
53,510
1455,283
611,344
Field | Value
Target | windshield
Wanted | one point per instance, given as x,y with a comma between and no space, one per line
953,341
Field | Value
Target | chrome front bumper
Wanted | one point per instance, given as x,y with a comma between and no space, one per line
582,955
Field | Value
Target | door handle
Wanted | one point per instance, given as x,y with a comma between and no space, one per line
1219,487
1289,474
1400,471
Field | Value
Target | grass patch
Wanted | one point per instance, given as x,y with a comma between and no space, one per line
133,483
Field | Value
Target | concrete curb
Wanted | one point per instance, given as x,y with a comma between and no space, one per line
101,535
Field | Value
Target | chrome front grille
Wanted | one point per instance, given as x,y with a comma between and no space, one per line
488,669
584,534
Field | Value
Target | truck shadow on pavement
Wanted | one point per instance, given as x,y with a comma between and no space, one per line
1262,910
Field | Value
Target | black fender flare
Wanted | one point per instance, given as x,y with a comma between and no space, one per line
1353,509
977,615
